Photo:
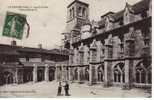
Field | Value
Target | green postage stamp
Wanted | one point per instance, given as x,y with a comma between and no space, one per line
14,25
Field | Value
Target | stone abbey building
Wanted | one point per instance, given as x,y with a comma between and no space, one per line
20,65
115,51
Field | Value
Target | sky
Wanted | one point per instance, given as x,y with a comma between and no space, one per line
48,21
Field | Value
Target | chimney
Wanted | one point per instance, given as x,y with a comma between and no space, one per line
40,46
13,43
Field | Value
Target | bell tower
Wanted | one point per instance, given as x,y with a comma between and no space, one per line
77,15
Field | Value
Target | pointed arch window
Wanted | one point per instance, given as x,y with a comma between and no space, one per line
119,75
149,77
79,11
87,73
75,74
143,74
100,73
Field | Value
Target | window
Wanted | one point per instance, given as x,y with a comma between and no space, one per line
140,76
100,73
81,58
119,74
87,73
143,74
149,77
80,11
94,55
70,12
144,14
83,12
75,74
73,12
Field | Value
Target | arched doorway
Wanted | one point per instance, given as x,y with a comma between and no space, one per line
27,74
87,73
8,77
40,74
100,73
76,74
51,74
119,74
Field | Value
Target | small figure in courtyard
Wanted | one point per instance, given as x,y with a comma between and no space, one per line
59,89
66,88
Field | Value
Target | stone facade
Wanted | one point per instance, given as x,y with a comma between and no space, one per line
117,49
20,65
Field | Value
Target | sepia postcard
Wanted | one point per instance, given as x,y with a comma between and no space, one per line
76,49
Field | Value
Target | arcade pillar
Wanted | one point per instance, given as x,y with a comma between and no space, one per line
15,78
93,63
34,73
108,65
129,53
46,73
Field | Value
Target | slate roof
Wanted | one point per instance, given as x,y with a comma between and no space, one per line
77,1
15,50
141,6
137,8
11,65
108,13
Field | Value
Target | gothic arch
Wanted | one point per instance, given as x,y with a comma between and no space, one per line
75,74
93,51
51,74
119,73
143,73
100,73
87,73
149,75
8,77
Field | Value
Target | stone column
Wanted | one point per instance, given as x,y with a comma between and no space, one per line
129,52
81,62
90,74
127,80
96,73
58,73
93,62
79,72
34,73
108,65
46,73
15,80
70,74
64,73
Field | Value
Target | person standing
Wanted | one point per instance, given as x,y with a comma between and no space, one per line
66,88
59,89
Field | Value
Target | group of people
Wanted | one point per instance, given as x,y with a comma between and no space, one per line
66,89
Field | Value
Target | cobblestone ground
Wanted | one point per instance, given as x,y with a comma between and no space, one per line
49,90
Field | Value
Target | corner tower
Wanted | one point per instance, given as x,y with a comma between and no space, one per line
77,15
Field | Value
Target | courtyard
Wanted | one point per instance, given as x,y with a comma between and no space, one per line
49,90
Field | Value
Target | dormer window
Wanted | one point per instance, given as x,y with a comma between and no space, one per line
71,12
121,22
144,14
